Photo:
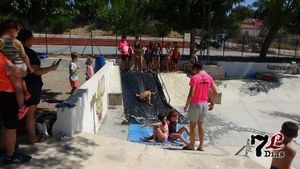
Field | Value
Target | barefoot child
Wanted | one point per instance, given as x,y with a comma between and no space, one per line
14,51
145,95
289,131
174,134
160,130
148,56
74,74
89,68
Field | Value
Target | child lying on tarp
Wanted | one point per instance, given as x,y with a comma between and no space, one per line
160,130
145,95
175,134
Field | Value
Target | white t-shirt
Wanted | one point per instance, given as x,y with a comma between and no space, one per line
74,75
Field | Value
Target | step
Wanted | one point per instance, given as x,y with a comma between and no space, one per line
115,88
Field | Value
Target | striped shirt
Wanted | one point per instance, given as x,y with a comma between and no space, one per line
7,47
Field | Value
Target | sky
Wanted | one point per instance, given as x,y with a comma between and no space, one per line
248,2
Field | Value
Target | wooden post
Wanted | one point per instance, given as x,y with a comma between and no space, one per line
70,42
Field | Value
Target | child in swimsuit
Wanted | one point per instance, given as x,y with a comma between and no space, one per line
169,55
156,56
138,50
145,95
160,130
174,134
89,68
289,131
148,56
14,51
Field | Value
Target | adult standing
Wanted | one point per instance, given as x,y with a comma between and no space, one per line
197,103
9,115
34,82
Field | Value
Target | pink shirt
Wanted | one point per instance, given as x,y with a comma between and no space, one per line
124,48
89,72
5,83
202,83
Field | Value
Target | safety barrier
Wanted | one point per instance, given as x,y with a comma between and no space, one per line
86,108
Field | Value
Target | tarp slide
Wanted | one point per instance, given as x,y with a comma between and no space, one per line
141,112
135,133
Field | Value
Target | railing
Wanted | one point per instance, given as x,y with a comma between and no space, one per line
164,88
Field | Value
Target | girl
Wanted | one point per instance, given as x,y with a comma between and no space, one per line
148,56
156,57
169,55
172,123
160,130
138,49
175,56
14,51
89,68
125,53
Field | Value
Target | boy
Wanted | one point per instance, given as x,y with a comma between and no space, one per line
289,131
74,74
145,96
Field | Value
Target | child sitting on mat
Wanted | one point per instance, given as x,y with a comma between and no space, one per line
145,95
174,134
160,130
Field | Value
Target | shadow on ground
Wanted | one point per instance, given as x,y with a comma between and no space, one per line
59,154
50,97
293,117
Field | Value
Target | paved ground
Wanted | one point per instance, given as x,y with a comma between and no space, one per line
248,107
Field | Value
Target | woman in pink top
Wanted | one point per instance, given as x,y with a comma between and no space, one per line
197,103
125,53
160,130
89,68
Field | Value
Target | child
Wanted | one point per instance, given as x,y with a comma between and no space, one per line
160,130
145,96
156,57
169,55
172,123
89,68
14,51
175,56
289,131
148,56
125,53
138,49
74,74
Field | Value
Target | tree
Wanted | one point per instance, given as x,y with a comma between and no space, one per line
277,14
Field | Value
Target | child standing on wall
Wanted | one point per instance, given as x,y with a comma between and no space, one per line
74,74
148,56
14,51
125,53
89,68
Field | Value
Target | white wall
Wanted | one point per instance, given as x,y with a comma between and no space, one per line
91,105
244,69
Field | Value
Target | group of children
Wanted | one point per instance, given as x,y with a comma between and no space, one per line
74,71
151,58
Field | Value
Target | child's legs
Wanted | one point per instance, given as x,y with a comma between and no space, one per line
18,86
184,128
159,134
175,136
158,62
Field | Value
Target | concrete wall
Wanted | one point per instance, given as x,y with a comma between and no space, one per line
90,105
244,69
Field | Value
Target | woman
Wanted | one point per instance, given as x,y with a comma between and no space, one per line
34,82
138,50
169,55
175,57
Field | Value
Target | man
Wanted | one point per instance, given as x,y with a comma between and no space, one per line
9,114
34,82
197,103
289,131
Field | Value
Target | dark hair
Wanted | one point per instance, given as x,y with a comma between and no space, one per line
289,129
24,35
161,118
7,25
198,65
147,88
74,55
124,37
137,37
172,113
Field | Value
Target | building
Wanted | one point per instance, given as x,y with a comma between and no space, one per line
251,26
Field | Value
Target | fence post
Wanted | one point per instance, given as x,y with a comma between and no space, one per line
70,43
296,49
46,38
243,47
279,47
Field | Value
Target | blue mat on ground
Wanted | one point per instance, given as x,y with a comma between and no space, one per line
136,132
